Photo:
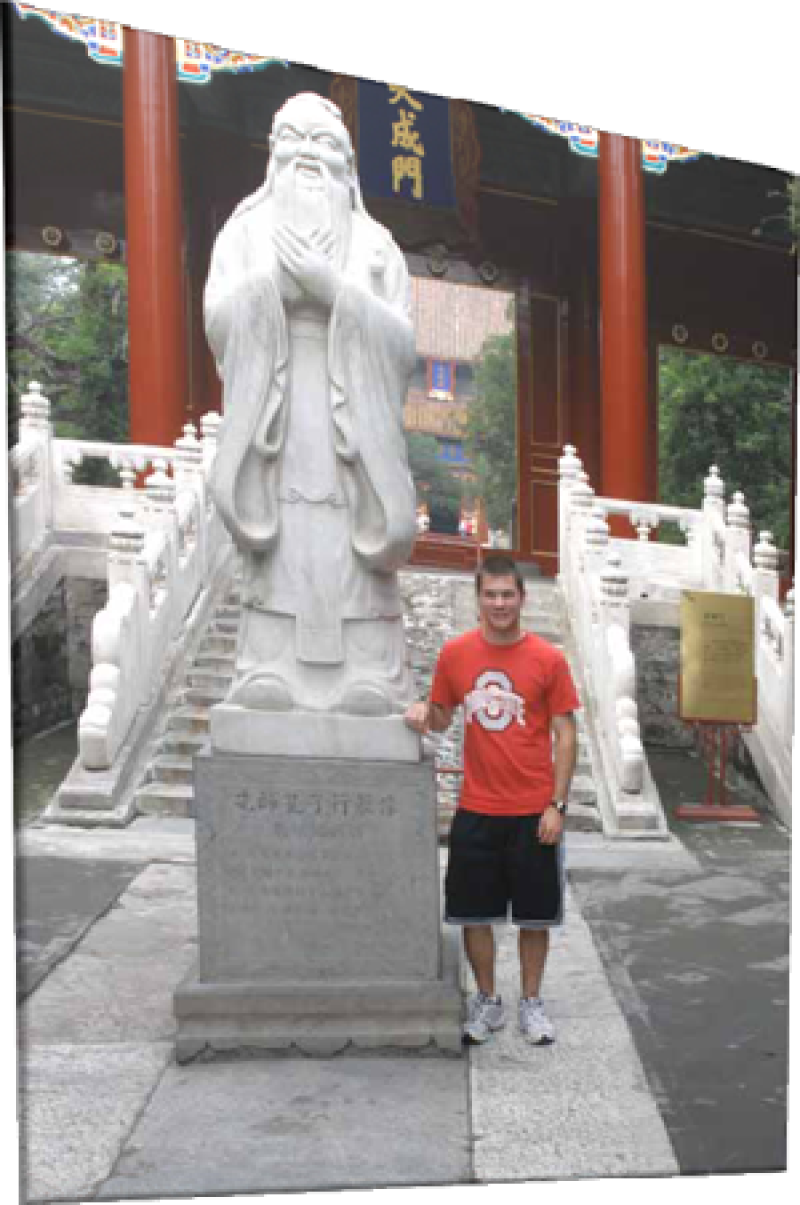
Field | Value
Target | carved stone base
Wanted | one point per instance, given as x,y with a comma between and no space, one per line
252,1019
319,734
319,913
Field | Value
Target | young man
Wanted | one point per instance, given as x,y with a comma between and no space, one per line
505,841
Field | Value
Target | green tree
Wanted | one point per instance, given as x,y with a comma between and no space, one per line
434,482
736,415
67,329
490,438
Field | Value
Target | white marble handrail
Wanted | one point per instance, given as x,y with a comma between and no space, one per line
600,575
163,539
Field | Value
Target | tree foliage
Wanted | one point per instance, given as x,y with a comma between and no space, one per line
490,438
67,327
736,415
435,483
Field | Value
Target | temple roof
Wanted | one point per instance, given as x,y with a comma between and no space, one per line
54,75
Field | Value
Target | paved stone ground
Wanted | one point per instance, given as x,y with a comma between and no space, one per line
668,985
56,903
699,959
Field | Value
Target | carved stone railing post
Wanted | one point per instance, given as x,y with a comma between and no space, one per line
692,533
765,568
209,436
119,653
714,492
595,540
160,490
737,540
569,466
618,682
713,547
581,500
189,458
35,426
645,522
126,551
34,411
614,593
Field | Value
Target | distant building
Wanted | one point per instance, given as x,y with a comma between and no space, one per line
452,323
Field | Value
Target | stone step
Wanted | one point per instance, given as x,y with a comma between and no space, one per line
209,679
199,696
217,644
227,612
582,789
187,718
183,744
214,659
171,768
165,799
583,818
221,626
167,788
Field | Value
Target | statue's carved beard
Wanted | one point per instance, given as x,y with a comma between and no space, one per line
313,202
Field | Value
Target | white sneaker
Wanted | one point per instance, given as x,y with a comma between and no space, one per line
534,1023
485,1014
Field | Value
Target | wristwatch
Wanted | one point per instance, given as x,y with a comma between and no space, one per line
560,806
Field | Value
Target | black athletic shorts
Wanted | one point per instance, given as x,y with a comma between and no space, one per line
496,861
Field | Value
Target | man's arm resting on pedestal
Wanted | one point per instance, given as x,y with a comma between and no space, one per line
424,716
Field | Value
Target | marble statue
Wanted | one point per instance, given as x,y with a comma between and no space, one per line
307,314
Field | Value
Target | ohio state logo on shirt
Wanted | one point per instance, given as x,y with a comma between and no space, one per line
493,702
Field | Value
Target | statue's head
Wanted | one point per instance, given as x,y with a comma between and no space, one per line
310,142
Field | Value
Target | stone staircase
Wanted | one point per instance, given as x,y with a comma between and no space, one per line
167,789
438,606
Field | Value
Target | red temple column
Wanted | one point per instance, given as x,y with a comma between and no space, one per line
626,460
154,229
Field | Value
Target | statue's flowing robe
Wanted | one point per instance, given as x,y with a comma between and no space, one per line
311,475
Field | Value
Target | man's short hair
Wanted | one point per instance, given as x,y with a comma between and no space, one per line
498,564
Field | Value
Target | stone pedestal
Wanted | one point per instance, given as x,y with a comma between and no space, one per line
319,918
317,734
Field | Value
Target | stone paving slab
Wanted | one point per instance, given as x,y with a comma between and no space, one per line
632,1087
57,901
117,985
565,1111
278,1124
701,962
145,840
77,1107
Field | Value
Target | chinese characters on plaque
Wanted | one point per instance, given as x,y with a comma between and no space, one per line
404,148
717,667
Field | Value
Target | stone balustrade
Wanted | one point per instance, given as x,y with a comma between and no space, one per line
595,581
162,538
30,476
601,577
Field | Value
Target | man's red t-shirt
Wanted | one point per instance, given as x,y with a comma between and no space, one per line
510,693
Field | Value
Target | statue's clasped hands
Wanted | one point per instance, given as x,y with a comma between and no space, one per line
308,262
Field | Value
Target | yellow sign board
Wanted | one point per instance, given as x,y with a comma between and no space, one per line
717,677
